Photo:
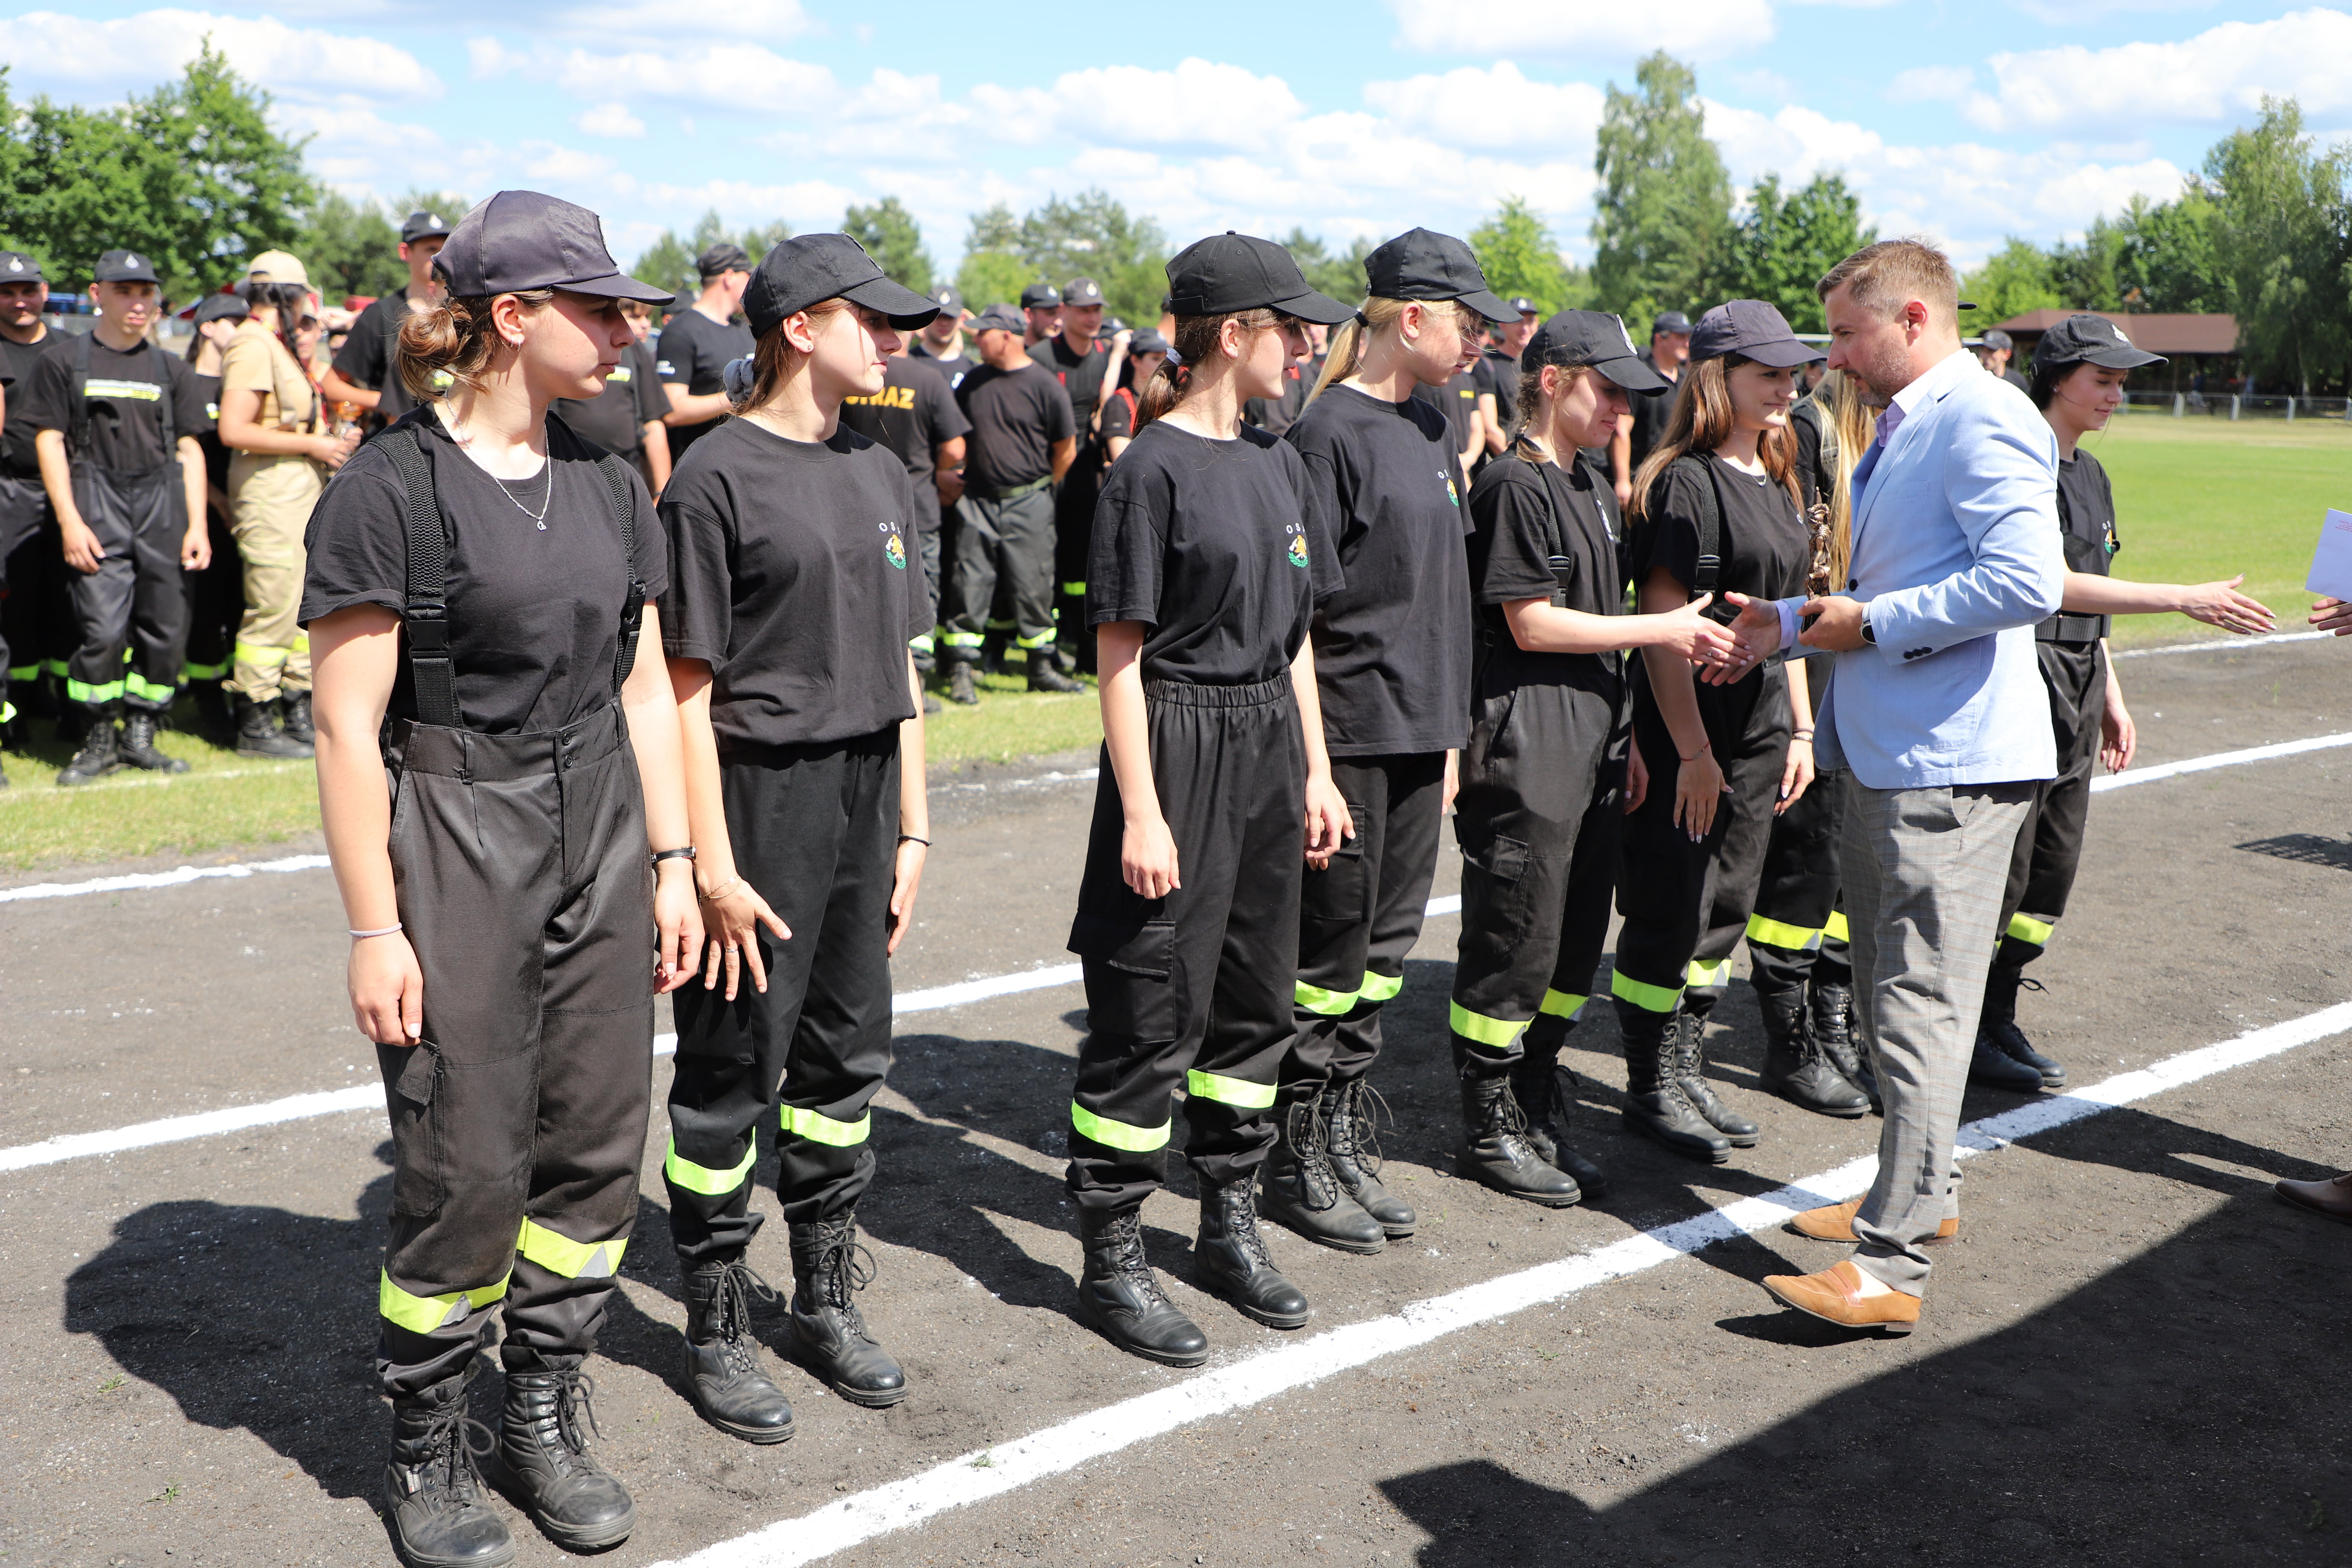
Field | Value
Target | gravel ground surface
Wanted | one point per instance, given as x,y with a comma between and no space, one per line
2117,1361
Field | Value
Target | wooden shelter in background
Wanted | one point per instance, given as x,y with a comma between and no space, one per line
2192,345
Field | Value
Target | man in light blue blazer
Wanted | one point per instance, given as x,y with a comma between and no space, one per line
1938,709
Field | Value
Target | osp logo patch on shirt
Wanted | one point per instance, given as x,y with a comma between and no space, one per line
1298,551
893,549
1451,493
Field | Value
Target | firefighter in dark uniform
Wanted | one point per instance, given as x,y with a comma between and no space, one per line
35,634
117,421
484,579
915,416
1392,675
1082,366
366,372
1544,783
2079,367
1498,402
1716,505
1040,312
696,344
792,596
942,343
1205,573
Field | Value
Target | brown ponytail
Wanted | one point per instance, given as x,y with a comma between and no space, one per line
1195,340
453,342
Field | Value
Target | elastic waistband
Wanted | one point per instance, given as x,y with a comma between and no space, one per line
882,743
2066,629
1185,694
1034,484
468,755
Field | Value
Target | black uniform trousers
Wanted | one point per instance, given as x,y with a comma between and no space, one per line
2049,845
815,830
1537,818
216,606
1073,537
135,600
1798,933
1687,904
1360,916
1003,553
35,631
519,1124
1192,990
924,645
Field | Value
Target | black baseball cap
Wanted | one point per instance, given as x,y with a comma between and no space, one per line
2088,339
721,258
1421,264
525,239
1671,322
1525,306
16,267
1040,297
1146,341
948,300
124,267
798,272
1995,337
219,308
422,225
1593,338
1229,272
999,318
1752,330
1082,291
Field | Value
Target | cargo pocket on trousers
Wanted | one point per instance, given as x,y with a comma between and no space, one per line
1341,893
1495,887
411,1076
1138,996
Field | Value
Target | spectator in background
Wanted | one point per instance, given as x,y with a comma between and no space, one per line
36,632
217,594
1042,304
1998,351
942,342
1669,351
625,418
366,373
1498,401
695,344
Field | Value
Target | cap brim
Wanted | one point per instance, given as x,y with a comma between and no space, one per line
1489,305
618,286
1632,376
1785,354
2121,359
1320,309
905,309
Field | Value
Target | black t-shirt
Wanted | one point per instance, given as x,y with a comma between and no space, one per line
792,576
369,356
121,397
633,398
1458,401
534,610
1502,372
1016,416
1275,415
1763,547
208,437
2086,520
914,415
1392,647
1648,427
1213,546
955,367
692,350
18,458
1523,516
1081,375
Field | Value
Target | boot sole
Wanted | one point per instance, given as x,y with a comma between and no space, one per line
1675,1145
1087,1316
1362,1249
421,1559
1260,1315
871,1399
1470,1172
762,1435
1890,1330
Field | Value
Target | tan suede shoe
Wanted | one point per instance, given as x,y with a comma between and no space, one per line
1836,1223
1834,1296
2332,1197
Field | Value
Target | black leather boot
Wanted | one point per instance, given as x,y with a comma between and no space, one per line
828,1331
1545,1091
211,706
1232,1261
1795,1067
1833,1027
960,689
723,1360
543,1448
432,1495
1044,676
1353,1144
1655,1105
1303,1192
258,733
101,753
1690,1075
1120,1298
2000,1021
1495,1148
294,713
139,746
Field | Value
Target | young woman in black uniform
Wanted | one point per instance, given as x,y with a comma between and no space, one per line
794,590
1541,776
1207,566
485,580
1392,670
1716,505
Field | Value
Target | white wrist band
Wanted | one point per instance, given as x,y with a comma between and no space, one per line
383,930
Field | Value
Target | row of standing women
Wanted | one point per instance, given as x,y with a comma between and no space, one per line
606,730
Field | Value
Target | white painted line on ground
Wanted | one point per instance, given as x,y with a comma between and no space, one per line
2218,759
1007,1467
2211,644
204,1124
160,879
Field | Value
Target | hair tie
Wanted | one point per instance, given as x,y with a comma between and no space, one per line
739,377
1363,320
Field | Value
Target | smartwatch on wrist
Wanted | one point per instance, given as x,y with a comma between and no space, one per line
1868,634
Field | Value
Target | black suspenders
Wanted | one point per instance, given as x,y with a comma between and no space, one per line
78,400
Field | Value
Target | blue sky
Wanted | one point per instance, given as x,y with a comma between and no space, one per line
2029,117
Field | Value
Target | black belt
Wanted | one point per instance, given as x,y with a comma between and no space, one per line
1037,484
2071,628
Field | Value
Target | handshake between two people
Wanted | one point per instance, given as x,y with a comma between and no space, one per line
1832,622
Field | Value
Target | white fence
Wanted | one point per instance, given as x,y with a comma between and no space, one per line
2232,406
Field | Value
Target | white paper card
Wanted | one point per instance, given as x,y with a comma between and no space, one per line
2331,564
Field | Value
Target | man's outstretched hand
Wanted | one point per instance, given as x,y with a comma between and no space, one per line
1756,636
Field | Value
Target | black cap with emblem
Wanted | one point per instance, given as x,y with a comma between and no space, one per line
1231,272
1421,264
124,267
1041,297
810,268
422,225
950,301
1593,338
998,318
1082,292
16,267
2086,339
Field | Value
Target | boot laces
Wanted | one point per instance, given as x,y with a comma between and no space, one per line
1355,1132
1238,1206
738,1283
843,1268
450,1434
1124,1236
1305,1129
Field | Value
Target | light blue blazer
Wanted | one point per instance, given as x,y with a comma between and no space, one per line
1957,553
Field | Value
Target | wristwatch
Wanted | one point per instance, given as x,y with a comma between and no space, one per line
1868,635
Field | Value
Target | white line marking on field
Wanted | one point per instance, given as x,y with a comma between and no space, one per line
145,880
852,1520
2210,644
2218,759
204,1124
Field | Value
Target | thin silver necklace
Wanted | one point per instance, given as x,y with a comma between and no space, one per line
464,437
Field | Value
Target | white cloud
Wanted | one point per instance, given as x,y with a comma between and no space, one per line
1580,30
1931,84
731,78
75,55
2220,75
612,120
1492,108
1200,104
651,21
807,204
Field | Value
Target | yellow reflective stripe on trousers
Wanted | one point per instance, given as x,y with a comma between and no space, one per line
83,691
1655,998
422,1314
1379,987
261,656
821,1129
962,639
137,685
1075,590
1837,930
711,1184
1495,1034
1043,639
1774,933
1561,1005
2025,928
573,1260
1330,1004
1118,1134
1228,1091
1704,974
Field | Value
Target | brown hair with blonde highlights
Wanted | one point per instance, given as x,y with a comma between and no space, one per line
1195,340
1703,420
775,360
456,338
1882,278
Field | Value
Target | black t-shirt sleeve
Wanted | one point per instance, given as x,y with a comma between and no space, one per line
1130,537
1061,425
46,392
1673,527
649,401
356,542
361,360
1319,517
676,348
942,416
191,415
1117,421
697,609
1515,515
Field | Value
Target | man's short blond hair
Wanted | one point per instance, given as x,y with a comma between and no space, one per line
1883,277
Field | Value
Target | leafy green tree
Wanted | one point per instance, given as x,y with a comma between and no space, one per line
666,263
1787,240
1514,249
670,261
761,238
2283,233
446,205
992,272
891,236
351,248
2169,262
2016,279
1663,217
1339,274
1093,236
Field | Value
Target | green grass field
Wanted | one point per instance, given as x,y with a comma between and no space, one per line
2196,498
